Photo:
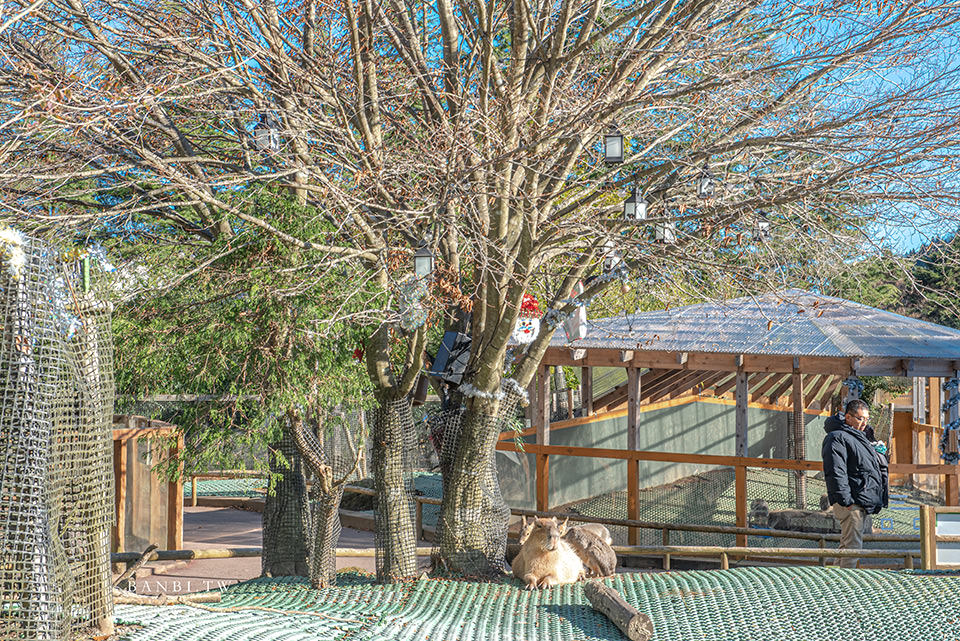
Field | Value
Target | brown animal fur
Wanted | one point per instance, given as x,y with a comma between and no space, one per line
546,558
595,553
601,531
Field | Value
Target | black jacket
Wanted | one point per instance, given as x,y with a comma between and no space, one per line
852,468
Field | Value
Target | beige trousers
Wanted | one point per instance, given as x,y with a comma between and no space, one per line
854,522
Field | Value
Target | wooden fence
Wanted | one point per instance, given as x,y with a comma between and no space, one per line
739,463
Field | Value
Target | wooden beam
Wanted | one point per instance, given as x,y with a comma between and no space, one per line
936,407
799,439
634,392
175,503
707,459
839,366
833,387
812,393
663,383
781,389
760,384
683,384
542,415
740,494
120,497
728,385
742,425
928,537
709,381
616,396
586,390
633,499
543,481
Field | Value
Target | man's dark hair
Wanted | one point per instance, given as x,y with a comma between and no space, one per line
856,404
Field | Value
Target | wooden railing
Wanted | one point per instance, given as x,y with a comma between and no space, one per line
931,538
739,463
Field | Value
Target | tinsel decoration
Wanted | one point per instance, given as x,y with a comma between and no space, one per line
11,251
947,452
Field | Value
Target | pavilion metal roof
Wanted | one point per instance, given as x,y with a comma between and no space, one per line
791,322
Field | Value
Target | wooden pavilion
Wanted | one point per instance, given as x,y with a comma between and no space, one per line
795,350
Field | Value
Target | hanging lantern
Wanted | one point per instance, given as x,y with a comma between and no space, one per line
423,263
635,206
613,148
666,233
266,136
705,183
611,258
763,228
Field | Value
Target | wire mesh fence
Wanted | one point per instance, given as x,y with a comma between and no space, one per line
56,484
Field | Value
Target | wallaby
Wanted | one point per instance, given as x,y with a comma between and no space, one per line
545,558
594,552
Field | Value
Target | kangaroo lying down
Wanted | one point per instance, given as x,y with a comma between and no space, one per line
545,558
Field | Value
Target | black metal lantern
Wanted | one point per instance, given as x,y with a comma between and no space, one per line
613,148
763,228
266,136
635,206
705,183
666,233
423,263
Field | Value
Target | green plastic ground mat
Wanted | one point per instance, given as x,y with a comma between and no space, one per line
743,604
252,488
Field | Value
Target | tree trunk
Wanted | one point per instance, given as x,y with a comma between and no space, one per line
325,510
286,519
393,481
473,516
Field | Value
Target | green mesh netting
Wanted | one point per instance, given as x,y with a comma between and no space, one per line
248,488
779,604
709,498
56,411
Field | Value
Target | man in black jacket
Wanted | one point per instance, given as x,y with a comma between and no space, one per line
856,474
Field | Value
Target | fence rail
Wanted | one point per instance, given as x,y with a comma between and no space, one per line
739,463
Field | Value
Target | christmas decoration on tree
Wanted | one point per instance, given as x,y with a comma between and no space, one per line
528,323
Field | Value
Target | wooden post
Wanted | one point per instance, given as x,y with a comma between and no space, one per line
799,438
951,494
569,403
193,491
543,482
120,498
724,561
419,518
586,390
542,415
742,427
936,407
530,411
928,538
633,443
543,437
741,501
175,503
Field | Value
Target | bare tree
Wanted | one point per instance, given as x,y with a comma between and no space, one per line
772,141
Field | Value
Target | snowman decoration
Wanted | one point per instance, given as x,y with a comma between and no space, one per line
528,323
